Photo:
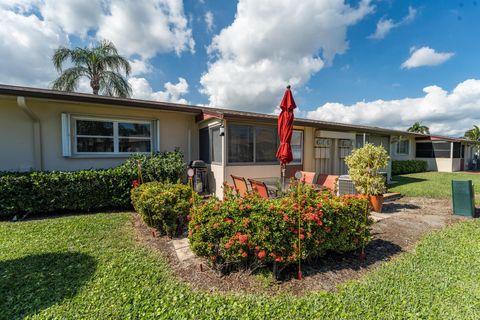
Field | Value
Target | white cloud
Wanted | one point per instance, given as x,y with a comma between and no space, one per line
146,28
172,93
26,47
273,43
209,20
384,26
426,56
140,67
447,113
73,16
32,29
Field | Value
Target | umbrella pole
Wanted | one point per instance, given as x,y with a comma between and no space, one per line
283,176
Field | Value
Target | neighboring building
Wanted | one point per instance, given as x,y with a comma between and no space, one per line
50,130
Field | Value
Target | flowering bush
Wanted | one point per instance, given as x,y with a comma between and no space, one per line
252,230
164,206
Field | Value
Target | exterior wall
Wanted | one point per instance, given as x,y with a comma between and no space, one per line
250,171
216,180
438,164
309,149
177,131
456,164
17,138
409,156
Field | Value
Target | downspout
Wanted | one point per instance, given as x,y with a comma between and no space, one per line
37,132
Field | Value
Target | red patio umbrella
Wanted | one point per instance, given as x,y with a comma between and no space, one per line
284,152
285,130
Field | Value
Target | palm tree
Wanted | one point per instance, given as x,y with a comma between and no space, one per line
418,127
473,134
101,64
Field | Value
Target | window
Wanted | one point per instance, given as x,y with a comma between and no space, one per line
240,143
211,145
104,136
205,145
433,150
216,144
266,144
359,140
403,147
259,144
297,147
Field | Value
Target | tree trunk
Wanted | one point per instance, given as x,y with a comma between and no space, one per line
95,84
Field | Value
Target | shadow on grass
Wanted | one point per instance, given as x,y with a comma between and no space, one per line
36,282
403,180
377,250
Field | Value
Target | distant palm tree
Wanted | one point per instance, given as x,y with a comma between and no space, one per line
101,64
473,134
418,127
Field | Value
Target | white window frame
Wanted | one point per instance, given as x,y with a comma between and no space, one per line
69,135
397,147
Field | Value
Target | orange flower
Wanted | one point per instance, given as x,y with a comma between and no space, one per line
262,254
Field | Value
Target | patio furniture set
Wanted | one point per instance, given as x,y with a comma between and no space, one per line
271,187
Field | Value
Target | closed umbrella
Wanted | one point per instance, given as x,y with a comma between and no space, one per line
285,130
284,152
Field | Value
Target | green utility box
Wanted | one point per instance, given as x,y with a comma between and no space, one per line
463,198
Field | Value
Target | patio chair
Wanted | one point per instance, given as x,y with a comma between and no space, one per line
308,177
260,187
240,185
328,181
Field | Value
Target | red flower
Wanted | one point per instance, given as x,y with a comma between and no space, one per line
262,254
302,236
242,238
278,259
244,254
135,184
228,220
228,245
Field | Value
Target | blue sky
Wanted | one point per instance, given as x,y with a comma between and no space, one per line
423,67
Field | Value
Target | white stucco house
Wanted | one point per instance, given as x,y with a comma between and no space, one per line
49,130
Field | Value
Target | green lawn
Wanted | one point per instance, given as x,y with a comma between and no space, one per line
432,184
90,267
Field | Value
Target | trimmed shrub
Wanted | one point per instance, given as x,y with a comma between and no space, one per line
84,190
364,165
164,206
252,231
408,166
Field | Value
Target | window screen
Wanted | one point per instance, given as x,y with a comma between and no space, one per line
240,143
216,145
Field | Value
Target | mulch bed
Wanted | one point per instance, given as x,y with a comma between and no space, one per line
408,220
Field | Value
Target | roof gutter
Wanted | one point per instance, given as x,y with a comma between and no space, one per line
37,132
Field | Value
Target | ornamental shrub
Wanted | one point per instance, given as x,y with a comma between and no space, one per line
252,231
158,166
408,166
164,206
364,165
84,190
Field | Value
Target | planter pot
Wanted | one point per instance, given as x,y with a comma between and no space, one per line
377,203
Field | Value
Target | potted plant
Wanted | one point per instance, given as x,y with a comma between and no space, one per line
364,166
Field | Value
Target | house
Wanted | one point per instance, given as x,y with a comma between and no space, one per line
50,130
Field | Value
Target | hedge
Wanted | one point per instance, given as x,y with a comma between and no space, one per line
164,205
250,231
84,190
408,166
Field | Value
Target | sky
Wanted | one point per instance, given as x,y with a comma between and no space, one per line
386,63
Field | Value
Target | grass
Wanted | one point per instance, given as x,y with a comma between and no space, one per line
432,184
90,267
